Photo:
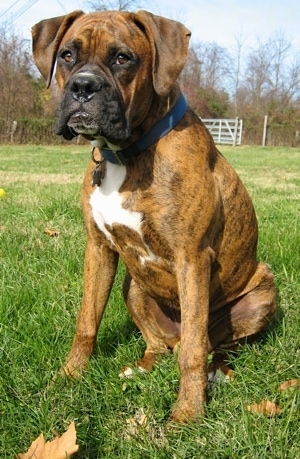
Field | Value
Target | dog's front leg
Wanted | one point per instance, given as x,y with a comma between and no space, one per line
99,271
193,285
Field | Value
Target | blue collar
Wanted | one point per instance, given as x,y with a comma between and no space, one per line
159,130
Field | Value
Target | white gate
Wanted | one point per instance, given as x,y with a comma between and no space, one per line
225,131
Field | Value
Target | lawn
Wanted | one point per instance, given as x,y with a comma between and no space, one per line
41,287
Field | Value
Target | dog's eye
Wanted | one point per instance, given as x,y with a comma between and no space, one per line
67,57
122,59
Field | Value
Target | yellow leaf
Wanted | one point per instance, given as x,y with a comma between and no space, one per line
60,448
35,450
295,383
265,407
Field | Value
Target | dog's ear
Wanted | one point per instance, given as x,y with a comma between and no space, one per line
169,42
46,38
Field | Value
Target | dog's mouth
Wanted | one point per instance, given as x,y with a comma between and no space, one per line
78,122
83,123
107,122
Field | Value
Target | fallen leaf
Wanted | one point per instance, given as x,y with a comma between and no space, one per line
265,407
295,383
35,450
51,233
60,448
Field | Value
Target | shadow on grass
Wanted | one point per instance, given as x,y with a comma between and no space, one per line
109,340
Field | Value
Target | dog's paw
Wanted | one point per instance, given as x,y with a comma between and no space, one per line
128,372
68,370
219,370
217,377
186,413
75,365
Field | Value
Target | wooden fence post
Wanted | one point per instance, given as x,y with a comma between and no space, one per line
13,130
236,126
264,140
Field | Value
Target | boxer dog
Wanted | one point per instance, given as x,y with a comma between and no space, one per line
157,194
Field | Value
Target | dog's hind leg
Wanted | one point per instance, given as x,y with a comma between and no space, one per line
159,326
247,315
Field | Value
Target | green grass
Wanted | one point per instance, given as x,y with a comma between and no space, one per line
41,286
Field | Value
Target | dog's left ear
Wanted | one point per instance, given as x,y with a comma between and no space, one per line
46,38
169,42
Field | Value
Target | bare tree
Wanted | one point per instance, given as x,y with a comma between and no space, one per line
272,74
16,90
236,73
190,76
215,66
285,78
258,73
294,79
121,5
205,77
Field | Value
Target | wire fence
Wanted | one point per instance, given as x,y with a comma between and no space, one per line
25,132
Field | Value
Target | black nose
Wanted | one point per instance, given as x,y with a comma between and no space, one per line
83,86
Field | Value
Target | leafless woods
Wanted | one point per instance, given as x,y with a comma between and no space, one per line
248,82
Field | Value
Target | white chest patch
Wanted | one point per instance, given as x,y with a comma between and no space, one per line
106,202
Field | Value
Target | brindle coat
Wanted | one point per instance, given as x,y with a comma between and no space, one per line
192,272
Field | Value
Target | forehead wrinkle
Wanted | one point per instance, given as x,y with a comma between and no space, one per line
108,23
98,33
89,41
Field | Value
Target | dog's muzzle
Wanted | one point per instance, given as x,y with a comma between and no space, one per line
91,106
82,88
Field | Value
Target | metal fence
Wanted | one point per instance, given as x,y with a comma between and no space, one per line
225,131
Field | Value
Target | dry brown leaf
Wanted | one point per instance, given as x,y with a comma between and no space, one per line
295,383
265,407
60,448
51,233
35,450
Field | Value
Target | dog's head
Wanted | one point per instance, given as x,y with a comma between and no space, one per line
110,67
